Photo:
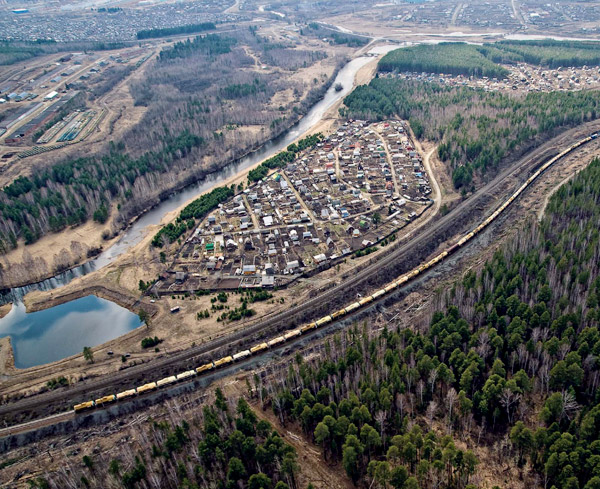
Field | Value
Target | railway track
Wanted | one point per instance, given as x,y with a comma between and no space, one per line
372,274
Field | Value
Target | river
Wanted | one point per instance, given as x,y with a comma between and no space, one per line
61,331
137,231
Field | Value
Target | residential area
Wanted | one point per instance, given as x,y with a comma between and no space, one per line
522,77
339,200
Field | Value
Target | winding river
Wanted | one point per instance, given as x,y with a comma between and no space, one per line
30,332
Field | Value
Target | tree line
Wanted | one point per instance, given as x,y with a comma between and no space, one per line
281,159
484,61
450,58
173,31
197,209
550,53
476,130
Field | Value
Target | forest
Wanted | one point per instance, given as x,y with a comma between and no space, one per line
457,58
450,58
193,125
16,51
475,130
224,445
511,360
172,31
548,53
67,194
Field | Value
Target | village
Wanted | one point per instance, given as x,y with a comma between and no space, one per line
522,77
339,200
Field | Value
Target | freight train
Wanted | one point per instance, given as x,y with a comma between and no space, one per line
403,279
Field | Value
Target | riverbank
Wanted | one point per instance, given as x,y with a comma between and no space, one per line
5,309
7,359
75,247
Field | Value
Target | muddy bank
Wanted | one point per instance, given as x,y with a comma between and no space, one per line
7,358
5,309
38,300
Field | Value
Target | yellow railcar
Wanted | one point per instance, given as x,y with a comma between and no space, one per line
352,307
205,367
105,400
259,348
308,327
338,314
366,300
223,361
83,406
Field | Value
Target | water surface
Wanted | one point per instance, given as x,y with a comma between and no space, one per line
45,336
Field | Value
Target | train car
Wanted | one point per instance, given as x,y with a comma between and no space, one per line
146,387
280,339
292,334
166,381
105,400
223,361
241,355
259,348
366,300
84,406
594,136
352,307
390,287
186,375
307,327
126,394
323,321
378,294
453,248
338,314
205,367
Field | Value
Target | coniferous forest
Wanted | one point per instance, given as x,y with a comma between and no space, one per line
511,362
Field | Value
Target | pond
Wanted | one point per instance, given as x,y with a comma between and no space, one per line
53,334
